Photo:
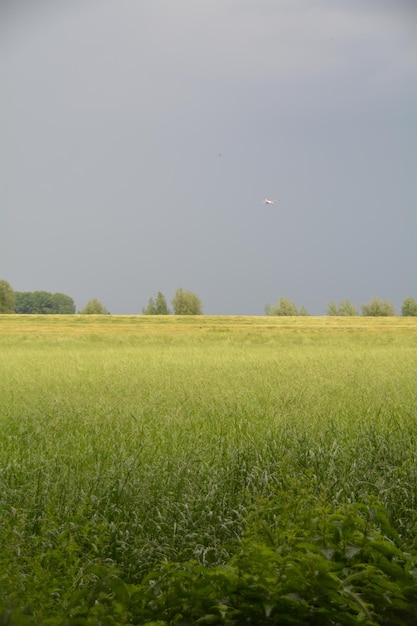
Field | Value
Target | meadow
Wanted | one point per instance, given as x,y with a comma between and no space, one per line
224,470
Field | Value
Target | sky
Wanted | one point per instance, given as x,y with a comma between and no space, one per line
139,138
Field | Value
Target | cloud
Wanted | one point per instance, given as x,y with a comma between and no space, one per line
268,39
160,54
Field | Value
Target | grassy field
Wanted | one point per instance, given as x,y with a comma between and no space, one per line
130,442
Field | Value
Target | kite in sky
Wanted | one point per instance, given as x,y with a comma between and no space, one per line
266,201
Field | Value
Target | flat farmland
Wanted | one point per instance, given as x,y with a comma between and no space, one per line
133,443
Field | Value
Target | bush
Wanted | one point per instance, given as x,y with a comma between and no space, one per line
345,308
378,308
157,307
94,307
285,308
186,303
409,307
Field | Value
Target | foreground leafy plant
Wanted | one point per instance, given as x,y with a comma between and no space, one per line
346,566
302,561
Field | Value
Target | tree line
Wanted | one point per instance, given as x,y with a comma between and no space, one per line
183,303
43,302
375,308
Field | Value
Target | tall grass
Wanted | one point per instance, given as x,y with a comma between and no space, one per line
127,442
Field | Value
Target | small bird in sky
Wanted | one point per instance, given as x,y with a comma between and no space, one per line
266,201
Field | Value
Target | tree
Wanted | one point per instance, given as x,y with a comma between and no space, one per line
63,304
150,308
157,307
94,307
23,302
7,297
332,308
378,308
43,302
34,302
409,307
284,307
161,305
186,303
345,308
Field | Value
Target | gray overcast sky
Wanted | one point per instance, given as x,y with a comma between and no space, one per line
138,139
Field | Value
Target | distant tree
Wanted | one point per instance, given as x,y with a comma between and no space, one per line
409,307
346,308
150,308
302,311
332,308
42,302
284,307
24,302
7,297
186,303
161,305
94,307
63,304
378,308
157,307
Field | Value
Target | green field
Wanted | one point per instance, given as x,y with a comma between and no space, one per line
208,468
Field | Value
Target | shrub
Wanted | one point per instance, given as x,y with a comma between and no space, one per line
94,307
409,307
378,308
